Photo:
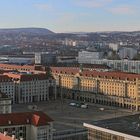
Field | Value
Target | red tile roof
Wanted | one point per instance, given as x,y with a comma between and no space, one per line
93,73
10,66
5,78
84,66
31,68
27,77
34,118
65,70
3,137
95,66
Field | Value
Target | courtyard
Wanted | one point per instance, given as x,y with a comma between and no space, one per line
67,117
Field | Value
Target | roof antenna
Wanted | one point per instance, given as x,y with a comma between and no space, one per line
81,68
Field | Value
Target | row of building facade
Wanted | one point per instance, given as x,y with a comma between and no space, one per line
88,85
122,65
106,88
26,84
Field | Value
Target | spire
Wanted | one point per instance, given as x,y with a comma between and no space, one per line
81,68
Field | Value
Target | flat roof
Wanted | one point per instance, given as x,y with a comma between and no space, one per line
129,125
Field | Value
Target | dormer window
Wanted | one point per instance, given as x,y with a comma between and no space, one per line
9,122
127,78
134,79
27,120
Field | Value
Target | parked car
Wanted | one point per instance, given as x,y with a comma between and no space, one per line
72,104
79,105
84,106
102,109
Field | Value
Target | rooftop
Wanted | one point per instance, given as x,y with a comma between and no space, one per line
5,137
37,118
26,76
10,66
93,73
31,68
5,78
129,124
84,66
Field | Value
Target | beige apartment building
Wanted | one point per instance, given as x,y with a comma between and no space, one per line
107,88
88,85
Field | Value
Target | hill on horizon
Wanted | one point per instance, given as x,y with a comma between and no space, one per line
31,31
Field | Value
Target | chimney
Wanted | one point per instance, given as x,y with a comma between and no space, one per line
9,122
13,137
28,121
5,133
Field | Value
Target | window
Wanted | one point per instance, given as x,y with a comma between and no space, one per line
125,67
133,67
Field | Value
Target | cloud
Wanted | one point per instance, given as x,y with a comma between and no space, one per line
93,3
122,10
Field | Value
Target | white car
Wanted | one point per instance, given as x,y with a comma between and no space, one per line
84,106
72,104
102,109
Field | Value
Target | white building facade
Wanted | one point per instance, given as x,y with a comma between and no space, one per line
114,46
5,104
27,126
44,58
86,55
122,65
128,53
100,133
33,87
7,86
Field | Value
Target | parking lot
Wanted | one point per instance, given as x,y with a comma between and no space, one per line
69,117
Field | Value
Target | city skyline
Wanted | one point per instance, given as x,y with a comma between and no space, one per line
71,15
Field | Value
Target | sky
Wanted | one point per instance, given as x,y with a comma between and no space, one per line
71,15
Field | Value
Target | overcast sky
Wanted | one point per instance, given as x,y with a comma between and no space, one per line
71,15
